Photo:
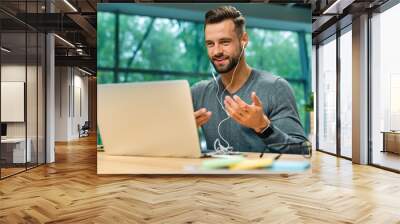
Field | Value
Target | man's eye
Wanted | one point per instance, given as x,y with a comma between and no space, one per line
210,44
225,43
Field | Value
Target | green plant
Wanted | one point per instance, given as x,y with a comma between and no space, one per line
309,106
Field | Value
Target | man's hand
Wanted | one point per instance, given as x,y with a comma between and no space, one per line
251,116
202,116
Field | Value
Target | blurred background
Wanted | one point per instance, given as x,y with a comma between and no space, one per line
146,42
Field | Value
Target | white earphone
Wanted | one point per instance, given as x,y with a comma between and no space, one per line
218,147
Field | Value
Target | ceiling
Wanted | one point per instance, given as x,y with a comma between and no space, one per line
76,21
73,21
332,15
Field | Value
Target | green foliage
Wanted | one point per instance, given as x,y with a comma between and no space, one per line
309,106
105,39
274,51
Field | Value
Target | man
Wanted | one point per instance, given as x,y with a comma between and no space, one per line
248,109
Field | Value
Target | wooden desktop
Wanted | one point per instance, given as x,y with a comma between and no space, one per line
108,164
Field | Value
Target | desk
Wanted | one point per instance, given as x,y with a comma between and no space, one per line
391,141
107,164
18,151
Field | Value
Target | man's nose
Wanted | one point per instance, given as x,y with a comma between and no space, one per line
217,50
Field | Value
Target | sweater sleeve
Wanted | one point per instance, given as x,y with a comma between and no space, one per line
196,91
284,117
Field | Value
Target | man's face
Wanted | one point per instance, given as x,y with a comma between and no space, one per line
223,45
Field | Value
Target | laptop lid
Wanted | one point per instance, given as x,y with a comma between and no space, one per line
148,119
3,129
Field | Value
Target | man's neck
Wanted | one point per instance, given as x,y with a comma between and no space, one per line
242,73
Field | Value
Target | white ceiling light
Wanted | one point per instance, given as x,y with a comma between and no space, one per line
79,51
5,50
65,41
338,6
70,5
84,71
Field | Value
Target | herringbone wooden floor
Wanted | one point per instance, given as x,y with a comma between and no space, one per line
69,191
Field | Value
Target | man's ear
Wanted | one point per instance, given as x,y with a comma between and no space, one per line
245,39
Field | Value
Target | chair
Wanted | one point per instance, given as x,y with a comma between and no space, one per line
84,130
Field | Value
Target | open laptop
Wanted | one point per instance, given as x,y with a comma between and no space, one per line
148,119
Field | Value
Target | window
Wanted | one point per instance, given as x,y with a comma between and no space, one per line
385,85
327,97
346,94
106,39
22,65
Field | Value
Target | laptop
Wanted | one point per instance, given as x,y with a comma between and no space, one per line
148,119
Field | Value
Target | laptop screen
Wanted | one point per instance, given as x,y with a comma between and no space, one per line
3,129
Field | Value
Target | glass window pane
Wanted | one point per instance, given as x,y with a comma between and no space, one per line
346,94
22,68
385,86
13,85
106,39
298,89
309,45
104,77
327,97
32,101
146,43
272,50
41,99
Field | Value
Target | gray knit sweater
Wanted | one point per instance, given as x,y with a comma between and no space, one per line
279,106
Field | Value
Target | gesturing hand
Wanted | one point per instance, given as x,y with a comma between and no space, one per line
202,116
251,116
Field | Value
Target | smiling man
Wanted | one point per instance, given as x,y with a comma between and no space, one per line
243,108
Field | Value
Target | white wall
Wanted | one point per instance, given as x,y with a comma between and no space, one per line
80,109
12,73
61,103
71,93
34,125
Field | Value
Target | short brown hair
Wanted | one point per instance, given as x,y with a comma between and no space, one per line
226,12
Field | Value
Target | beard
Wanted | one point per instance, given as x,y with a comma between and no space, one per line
232,62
